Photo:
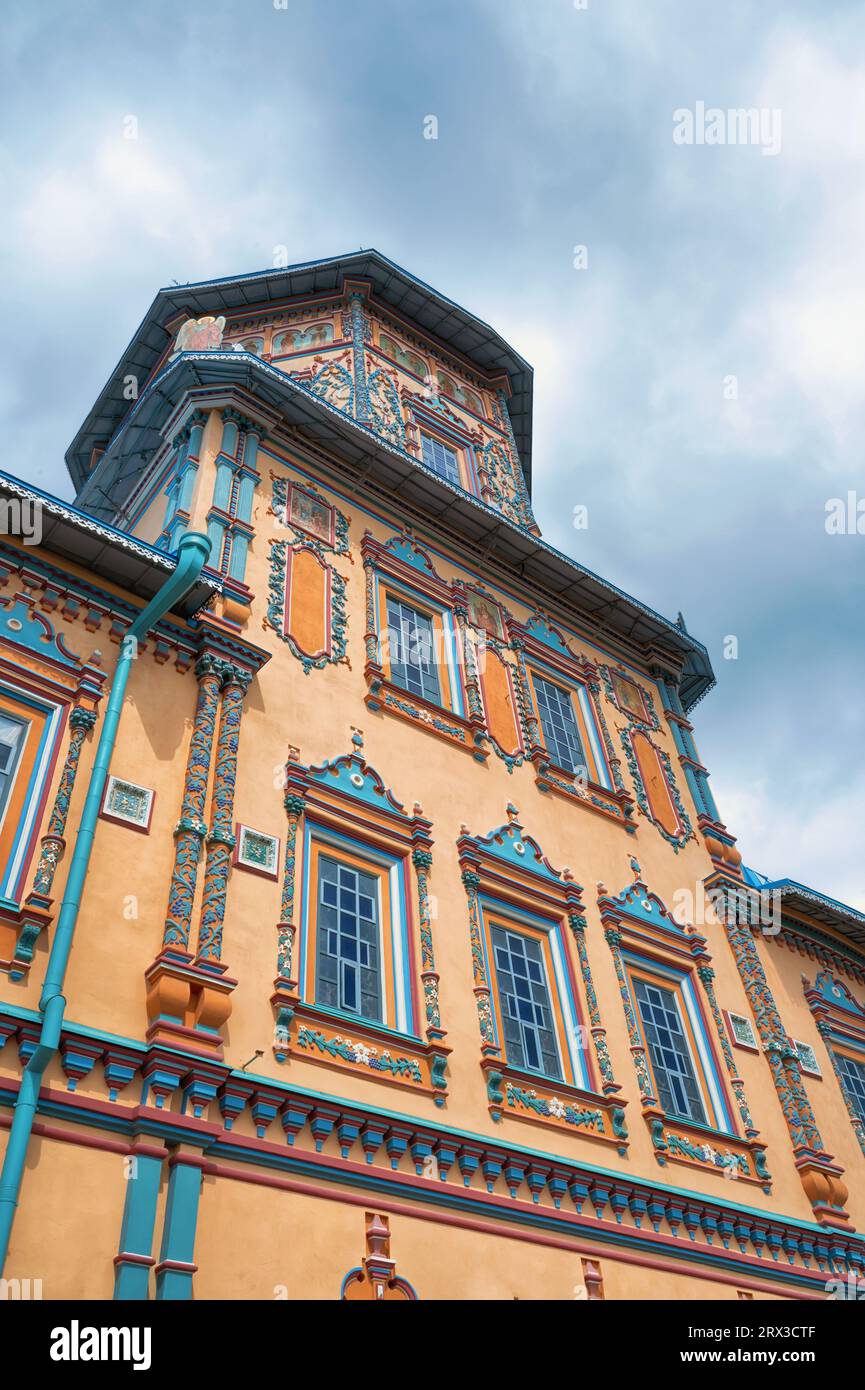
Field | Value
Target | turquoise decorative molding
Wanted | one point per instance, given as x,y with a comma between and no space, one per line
362,1054
337,615
554,1108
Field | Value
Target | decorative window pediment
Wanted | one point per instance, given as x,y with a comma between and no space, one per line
840,1020
566,733
401,580
535,1049
666,983
356,919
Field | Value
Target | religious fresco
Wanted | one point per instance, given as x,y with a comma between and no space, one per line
310,514
403,356
200,335
317,335
463,395
485,613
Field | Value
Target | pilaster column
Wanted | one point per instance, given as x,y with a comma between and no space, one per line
707,977
783,1059
533,732
361,391
134,1260
472,883
820,1177
638,1052
525,502
470,662
248,476
226,463
287,928
577,924
175,1269
220,841
53,843
422,860
191,828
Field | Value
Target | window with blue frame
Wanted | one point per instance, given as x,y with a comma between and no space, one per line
440,459
348,967
412,650
524,1001
559,725
13,733
669,1053
853,1073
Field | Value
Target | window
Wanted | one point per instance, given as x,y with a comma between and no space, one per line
440,459
412,654
348,973
559,725
30,727
670,1055
13,733
524,999
853,1073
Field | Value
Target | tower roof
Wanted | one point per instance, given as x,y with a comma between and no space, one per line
431,311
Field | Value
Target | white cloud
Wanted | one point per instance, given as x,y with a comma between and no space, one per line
819,842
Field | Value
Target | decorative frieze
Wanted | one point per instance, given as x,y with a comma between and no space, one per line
402,1155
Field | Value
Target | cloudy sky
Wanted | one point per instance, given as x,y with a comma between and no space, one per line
698,381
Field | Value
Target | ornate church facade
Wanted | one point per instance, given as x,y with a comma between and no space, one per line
368,928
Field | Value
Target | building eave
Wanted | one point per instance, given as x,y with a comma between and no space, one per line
821,909
78,538
606,608
454,326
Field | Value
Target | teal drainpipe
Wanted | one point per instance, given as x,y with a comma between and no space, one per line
193,551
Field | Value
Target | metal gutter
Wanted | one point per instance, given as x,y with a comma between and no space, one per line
194,549
74,535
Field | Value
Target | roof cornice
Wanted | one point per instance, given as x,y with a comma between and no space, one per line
100,549
603,606
455,327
